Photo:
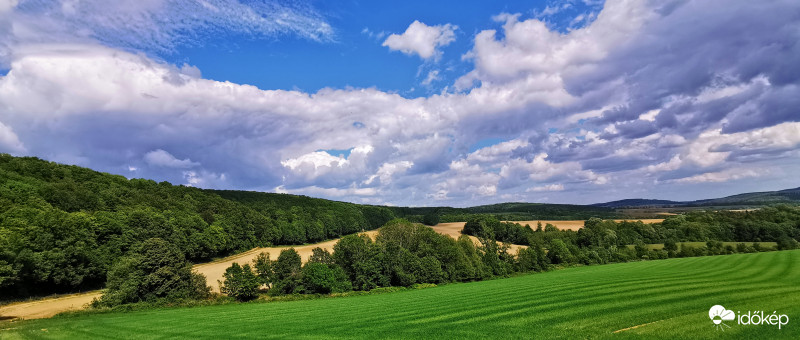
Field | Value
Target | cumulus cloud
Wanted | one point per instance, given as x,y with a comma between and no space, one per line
723,176
549,187
638,95
162,158
9,142
421,39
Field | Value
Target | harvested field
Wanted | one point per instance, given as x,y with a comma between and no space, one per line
454,228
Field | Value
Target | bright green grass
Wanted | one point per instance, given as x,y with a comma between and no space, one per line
584,302
657,246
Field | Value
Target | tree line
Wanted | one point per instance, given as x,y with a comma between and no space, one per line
605,241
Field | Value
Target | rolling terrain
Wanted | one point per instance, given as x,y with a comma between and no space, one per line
791,196
213,272
665,299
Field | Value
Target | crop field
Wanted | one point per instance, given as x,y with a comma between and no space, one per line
655,299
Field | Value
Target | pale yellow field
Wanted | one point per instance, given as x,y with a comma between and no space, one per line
455,227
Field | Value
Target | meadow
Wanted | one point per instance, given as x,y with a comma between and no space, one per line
653,299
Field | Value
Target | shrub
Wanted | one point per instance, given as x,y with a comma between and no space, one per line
240,282
322,278
155,270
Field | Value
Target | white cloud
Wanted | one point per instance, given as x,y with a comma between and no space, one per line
723,176
714,147
206,179
104,107
387,170
673,164
496,153
334,192
549,187
431,77
163,24
422,39
165,159
9,141
7,5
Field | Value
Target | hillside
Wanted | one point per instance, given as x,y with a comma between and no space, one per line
791,196
753,198
638,202
62,226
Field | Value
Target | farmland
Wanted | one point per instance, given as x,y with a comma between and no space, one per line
666,299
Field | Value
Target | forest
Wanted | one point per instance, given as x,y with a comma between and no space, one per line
63,226
66,228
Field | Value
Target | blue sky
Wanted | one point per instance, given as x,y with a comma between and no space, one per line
354,56
411,103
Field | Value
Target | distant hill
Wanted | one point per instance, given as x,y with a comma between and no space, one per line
753,198
638,202
746,199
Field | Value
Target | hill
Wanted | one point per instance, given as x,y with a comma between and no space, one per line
667,299
791,196
753,198
62,226
638,202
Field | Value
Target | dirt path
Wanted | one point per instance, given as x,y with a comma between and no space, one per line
213,271
46,308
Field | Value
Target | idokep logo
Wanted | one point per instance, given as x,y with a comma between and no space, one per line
719,315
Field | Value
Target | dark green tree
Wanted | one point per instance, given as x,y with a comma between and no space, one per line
154,271
263,267
240,282
321,278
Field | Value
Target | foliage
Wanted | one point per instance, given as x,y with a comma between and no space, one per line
263,267
322,278
62,227
287,279
154,270
240,282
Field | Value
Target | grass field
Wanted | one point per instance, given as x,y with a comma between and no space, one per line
657,246
666,298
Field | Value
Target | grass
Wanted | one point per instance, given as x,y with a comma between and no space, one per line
658,246
669,298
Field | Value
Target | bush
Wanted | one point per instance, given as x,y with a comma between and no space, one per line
322,278
559,253
154,271
240,282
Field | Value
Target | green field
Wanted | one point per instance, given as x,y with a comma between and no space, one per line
670,298
659,246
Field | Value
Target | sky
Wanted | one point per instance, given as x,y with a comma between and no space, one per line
413,103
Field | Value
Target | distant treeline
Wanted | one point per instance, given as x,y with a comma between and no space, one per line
509,212
605,241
